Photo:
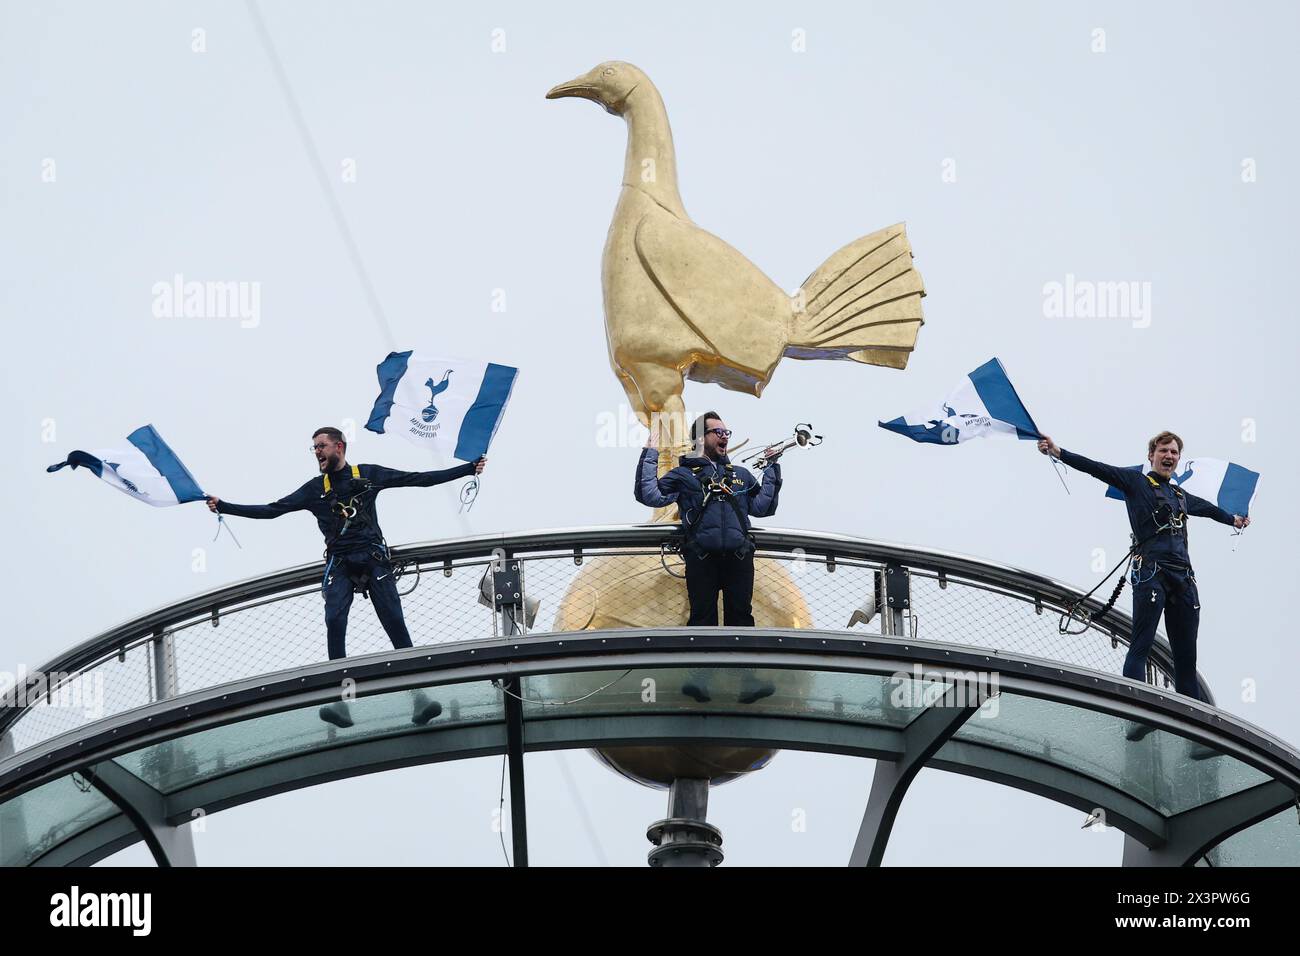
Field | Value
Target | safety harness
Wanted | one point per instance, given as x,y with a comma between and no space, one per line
725,486
1165,518
349,510
346,509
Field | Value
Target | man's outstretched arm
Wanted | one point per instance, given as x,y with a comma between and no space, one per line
1121,478
382,477
297,501
1200,508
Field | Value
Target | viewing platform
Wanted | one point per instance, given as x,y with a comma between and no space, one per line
869,649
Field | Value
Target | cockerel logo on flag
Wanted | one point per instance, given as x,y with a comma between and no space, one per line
454,405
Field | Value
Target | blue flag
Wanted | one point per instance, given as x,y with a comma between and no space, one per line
145,468
983,404
1227,485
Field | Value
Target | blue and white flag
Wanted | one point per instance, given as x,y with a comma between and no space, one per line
983,405
145,468
453,405
1228,485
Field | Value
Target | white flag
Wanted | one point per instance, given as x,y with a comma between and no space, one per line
453,405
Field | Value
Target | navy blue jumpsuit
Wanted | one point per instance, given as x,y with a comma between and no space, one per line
718,552
354,547
1162,575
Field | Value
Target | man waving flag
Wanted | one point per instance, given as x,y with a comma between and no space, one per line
144,468
984,404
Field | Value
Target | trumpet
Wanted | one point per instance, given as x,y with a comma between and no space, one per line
803,437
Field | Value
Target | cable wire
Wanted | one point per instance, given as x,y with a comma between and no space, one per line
322,178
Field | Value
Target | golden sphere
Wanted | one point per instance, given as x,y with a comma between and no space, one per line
635,590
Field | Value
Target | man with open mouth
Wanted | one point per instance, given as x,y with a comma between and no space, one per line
342,499
1162,576
715,499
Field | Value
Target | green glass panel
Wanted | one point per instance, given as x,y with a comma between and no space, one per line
862,698
175,764
1274,841
45,816
1160,769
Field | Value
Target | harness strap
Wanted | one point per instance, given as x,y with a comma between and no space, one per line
720,486
356,473
1176,521
1172,487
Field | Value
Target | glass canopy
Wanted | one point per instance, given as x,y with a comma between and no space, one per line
1082,747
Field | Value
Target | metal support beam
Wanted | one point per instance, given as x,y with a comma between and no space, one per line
146,808
684,839
164,665
166,685
1194,832
515,759
1052,782
93,844
895,599
921,740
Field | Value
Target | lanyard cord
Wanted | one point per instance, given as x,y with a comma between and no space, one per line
221,523
1071,613
469,494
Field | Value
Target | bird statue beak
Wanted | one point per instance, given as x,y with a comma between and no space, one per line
580,87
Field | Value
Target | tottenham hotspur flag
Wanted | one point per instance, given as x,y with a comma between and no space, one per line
454,405
983,405
144,467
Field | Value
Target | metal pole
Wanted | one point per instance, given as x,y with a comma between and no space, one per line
178,841
515,760
146,808
684,839
922,739
164,665
892,597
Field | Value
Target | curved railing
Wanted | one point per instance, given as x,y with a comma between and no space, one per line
275,622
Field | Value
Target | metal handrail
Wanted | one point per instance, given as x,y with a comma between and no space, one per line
966,570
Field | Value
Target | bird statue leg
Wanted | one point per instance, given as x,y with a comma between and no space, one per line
674,435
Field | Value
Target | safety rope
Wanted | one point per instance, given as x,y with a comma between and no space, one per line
1071,613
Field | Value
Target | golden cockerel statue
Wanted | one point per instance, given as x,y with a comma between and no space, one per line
681,303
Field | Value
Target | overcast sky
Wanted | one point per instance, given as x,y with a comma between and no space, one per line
1019,145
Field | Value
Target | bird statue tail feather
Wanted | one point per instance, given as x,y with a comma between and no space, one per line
863,303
